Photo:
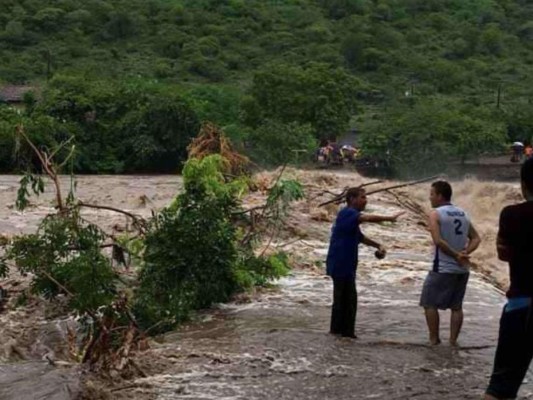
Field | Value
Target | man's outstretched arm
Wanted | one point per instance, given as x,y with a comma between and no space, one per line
380,218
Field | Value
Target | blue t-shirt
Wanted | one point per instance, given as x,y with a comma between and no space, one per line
343,246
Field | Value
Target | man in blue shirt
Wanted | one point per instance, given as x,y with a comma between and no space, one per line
342,258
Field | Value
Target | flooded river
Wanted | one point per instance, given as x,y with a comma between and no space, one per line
274,344
278,347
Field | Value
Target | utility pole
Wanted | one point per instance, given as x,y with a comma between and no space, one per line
499,95
47,55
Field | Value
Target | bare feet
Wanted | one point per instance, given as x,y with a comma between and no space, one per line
434,342
454,343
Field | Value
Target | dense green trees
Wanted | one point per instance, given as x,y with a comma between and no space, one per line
276,143
421,138
318,94
133,127
242,63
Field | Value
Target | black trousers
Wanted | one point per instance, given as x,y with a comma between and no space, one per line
344,309
513,354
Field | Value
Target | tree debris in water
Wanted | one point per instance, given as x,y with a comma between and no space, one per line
211,140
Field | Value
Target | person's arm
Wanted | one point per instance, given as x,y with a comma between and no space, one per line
369,242
474,240
503,247
505,251
381,252
379,218
434,228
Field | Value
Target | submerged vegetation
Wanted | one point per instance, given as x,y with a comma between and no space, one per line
201,249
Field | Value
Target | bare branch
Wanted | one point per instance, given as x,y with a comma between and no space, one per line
249,210
371,183
339,198
141,222
61,145
412,183
46,164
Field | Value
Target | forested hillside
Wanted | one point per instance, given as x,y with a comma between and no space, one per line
402,72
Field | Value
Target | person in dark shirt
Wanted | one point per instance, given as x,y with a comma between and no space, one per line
515,342
342,259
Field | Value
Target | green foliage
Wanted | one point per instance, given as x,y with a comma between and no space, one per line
188,265
276,143
4,268
218,104
193,257
342,8
281,195
242,64
155,136
519,121
118,127
204,178
23,193
259,271
423,138
191,248
316,95
65,258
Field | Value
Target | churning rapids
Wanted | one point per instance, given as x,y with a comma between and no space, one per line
274,344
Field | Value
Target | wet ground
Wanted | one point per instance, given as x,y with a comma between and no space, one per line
276,345
278,348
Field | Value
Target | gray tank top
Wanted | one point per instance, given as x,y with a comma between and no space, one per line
454,227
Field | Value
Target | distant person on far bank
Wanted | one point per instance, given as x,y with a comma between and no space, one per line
515,342
343,257
455,239
517,149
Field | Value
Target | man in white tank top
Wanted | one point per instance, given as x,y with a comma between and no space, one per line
455,238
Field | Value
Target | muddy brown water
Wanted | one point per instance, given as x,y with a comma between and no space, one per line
28,337
276,345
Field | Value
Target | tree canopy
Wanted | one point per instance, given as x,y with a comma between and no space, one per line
331,64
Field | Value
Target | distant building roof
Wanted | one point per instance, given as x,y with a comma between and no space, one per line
15,93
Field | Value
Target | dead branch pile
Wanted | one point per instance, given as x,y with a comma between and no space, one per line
211,140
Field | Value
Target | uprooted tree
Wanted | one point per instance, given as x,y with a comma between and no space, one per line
201,249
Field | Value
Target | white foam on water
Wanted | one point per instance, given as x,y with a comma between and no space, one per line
291,366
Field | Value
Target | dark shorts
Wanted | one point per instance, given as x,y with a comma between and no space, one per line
443,291
513,355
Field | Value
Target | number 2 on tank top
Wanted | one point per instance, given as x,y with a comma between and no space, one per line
458,225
